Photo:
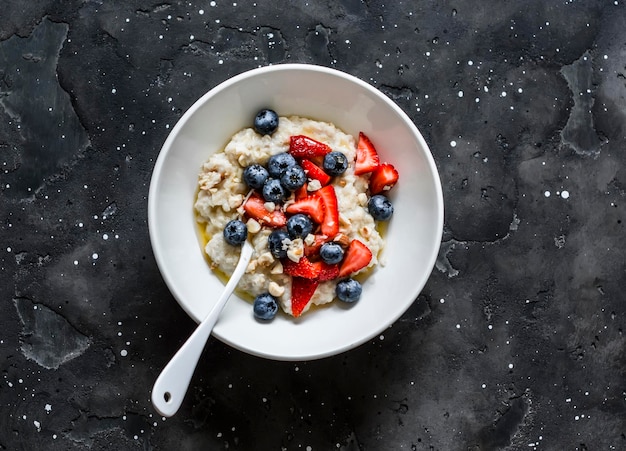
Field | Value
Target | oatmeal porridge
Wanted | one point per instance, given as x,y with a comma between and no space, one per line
310,197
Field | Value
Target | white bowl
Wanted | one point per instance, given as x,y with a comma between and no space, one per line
413,236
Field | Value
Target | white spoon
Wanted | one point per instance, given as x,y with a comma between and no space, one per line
171,385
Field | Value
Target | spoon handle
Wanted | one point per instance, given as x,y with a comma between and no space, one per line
171,385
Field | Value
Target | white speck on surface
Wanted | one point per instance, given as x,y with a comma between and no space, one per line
48,408
458,326
484,386
564,194
113,91
442,300
460,93
201,12
510,366
503,94
75,262
105,237
547,194
94,256
37,425
123,352
452,143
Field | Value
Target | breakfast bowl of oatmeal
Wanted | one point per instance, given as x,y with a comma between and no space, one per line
332,185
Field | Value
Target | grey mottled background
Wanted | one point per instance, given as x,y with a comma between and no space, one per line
517,339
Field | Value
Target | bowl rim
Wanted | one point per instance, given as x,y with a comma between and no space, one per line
165,149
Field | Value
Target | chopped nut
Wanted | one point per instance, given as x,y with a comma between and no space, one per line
253,225
265,259
365,231
342,182
309,239
277,268
295,250
342,239
313,185
275,289
362,199
270,206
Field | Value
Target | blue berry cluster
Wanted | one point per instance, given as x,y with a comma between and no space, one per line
277,179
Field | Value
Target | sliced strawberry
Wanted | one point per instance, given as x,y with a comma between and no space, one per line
301,146
314,247
326,271
255,208
330,225
301,192
383,178
366,156
357,257
311,206
303,268
314,172
302,291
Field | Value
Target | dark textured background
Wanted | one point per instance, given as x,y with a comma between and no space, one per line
517,339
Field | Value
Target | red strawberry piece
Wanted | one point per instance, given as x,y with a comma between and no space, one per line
330,224
326,271
314,247
366,156
357,257
302,291
303,268
383,178
301,146
311,206
301,192
314,172
255,208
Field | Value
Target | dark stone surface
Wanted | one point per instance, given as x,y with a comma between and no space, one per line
517,341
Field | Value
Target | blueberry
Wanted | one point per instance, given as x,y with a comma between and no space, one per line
331,253
273,191
278,164
265,306
293,178
235,232
348,290
266,122
335,163
276,244
255,176
380,207
299,226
